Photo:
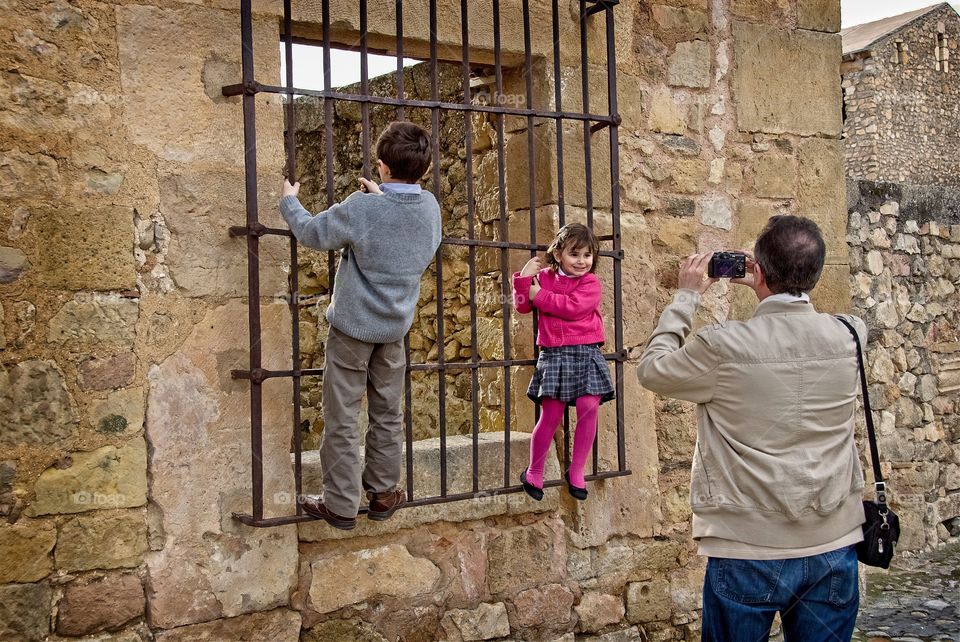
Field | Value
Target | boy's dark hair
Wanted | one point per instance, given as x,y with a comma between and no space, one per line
405,148
791,252
574,236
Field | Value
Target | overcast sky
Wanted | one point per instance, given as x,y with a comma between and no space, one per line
308,67
854,12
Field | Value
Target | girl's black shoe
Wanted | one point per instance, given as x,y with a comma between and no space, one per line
530,489
577,493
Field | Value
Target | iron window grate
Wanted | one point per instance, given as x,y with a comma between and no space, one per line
253,229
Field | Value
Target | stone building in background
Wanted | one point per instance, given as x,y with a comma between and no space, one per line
125,443
901,98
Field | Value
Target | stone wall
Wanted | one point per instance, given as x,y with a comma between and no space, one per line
905,269
900,117
124,443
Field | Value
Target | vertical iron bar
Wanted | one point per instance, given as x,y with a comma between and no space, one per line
365,90
441,348
472,251
253,255
294,275
560,200
401,93
408,416
615,216
328,131
587,166
504,236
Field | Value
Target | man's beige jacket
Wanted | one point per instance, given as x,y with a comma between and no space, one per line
775,463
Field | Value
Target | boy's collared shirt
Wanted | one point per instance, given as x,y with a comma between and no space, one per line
401,188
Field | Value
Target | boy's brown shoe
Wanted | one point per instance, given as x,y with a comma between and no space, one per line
385,504
316,508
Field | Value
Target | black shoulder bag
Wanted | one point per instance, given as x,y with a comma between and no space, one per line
881,530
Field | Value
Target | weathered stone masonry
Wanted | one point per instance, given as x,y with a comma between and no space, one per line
124,444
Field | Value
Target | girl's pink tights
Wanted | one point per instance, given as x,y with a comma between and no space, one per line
542,438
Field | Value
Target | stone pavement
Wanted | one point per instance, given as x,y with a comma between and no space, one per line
918,601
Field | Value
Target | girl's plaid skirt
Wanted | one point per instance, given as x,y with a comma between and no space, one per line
569,372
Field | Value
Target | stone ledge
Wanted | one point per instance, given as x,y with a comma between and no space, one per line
426,482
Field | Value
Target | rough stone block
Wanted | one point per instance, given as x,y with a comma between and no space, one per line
598,610
689,65
822,194
690,175
213,132
773,12
548,604
101,603
198,430
13,263
35,407
648,601
773,67
108,477
25,612
524,557
342,631
666,115
278,625
357,576
109,373
121,412
775,176
23,173
485,622
819,15
25,549
86,250
716,211
102,540
832,294
679,21
97,320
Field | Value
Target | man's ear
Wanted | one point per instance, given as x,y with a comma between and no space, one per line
759,279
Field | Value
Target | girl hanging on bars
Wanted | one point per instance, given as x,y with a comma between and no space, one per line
571,370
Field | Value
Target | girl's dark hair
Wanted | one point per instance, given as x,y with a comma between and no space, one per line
574,236
791,252
405,148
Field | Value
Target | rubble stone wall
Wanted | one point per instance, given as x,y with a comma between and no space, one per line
905,270
899,105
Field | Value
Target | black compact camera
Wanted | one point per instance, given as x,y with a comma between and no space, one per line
727,265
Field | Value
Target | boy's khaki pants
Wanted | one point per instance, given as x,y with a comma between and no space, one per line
352,368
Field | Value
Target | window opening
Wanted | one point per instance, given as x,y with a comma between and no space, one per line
900,55
474,78
942,51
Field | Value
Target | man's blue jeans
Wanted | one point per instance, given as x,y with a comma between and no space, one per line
817,597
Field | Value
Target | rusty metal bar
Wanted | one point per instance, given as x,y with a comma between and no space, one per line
472,249
328,129
253,257
429,501
615,216
504,235
401,93
263,374
294,299
257,87
364,89
441,347
408,416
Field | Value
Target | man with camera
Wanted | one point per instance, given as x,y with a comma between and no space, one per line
776,483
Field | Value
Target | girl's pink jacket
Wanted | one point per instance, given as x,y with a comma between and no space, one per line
569,307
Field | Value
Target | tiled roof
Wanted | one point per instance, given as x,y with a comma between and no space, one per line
860,37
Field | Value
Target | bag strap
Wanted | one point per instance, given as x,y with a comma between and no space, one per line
879,485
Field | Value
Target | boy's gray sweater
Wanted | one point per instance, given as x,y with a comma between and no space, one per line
389,241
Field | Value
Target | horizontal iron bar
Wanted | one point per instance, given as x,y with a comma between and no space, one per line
510,245
613,119
257,229
601,5
247,519
261,374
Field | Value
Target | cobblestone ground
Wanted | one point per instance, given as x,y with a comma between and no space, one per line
919,600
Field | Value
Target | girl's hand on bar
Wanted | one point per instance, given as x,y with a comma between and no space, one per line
532,267
288,189
368,186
